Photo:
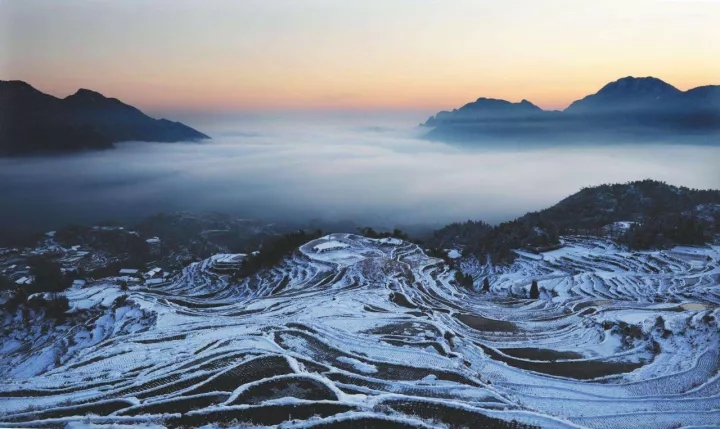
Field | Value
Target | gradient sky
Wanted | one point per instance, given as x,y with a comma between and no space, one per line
289,54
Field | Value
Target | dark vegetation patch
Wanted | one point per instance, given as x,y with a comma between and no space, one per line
311,366
172,387
582,370
404,329
246,372
374,309
666,215
261,415
176,405
366,423
416,344
400,299
188,304
273,251
206,346
297,386
541,354
451,416
177,337
300,326
386,371
100,408
34,393
484,324
282,285
356,384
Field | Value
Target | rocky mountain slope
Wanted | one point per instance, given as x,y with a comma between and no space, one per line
34,122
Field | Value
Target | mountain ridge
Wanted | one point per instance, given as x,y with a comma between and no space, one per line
657,215
34,122
639,106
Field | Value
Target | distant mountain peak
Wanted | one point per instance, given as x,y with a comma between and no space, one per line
17,86
641,107
626,93
36,122
88,95
639,85
82,92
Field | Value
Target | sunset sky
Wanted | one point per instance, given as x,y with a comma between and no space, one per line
368,54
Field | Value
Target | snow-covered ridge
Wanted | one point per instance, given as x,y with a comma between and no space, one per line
376,332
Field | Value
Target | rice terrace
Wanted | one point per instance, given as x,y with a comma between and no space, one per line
358,332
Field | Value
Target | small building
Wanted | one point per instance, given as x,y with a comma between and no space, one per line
24,281
128,280
129,272
228,262
155,273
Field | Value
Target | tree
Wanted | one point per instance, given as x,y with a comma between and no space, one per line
48,276
123,285
369,232
6,283
465,280
534,291
486,285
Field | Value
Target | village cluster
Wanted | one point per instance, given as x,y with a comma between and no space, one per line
77,262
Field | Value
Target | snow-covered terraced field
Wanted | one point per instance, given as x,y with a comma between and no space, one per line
373,333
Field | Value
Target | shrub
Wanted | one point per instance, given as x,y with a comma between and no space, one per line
57,305
534,291
48,276
274,251
120,301
465,280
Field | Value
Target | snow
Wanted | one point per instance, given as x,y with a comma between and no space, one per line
334,326
330,245
358,365
454,254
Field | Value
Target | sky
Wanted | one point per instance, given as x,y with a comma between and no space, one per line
218,55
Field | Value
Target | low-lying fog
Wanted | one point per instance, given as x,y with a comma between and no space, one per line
369,169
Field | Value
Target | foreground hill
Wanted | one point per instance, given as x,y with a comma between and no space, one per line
653,215
634,107
34,122
352,332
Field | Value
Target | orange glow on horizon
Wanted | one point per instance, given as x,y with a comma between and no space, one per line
375,54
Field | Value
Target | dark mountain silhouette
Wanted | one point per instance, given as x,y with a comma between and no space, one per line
638,107
34,122
487,108
626,94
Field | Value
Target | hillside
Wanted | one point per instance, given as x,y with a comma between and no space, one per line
664,216
352,332
641,108
34,122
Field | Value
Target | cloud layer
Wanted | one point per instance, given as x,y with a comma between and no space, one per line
367,169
